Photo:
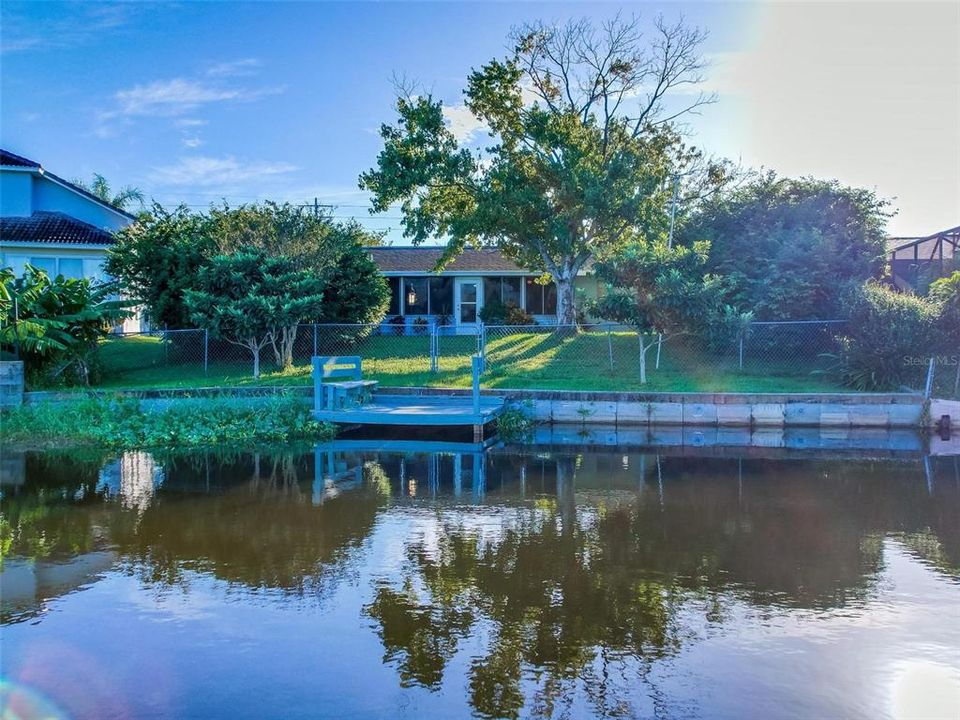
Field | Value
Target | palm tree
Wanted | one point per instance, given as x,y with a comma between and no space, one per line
100,187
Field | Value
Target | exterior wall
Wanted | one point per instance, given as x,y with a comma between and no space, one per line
16,190
587,288
53,197
92,259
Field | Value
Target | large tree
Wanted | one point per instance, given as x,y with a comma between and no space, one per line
158,258
660,290
583,148
250,299
790,248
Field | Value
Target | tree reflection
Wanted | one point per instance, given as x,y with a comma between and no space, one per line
598,570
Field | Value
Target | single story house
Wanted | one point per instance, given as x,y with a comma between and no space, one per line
456,296
53,224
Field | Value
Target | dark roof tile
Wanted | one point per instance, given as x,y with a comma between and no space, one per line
13,160
51,227
424,259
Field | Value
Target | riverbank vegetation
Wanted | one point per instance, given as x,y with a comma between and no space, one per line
124,422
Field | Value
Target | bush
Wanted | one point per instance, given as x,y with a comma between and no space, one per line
497,313
125,423
946,293
890,335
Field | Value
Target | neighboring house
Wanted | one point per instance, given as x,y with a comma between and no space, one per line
457,295
52,224
917,261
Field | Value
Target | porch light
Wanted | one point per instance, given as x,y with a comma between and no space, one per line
411,297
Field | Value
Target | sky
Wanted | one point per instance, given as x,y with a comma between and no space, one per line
194,102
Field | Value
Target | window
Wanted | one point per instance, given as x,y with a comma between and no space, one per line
441,295
510,290
416,298
541,299
394,283
47,264
504,289
71,268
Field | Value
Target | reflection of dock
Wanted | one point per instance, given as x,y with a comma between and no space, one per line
339,465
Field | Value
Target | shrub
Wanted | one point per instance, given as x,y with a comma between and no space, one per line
399,323
888,336
126,423
946,293
496,312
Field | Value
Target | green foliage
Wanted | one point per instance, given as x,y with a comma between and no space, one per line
566,176
56,323
159,258
946,293
356,291
250,299
889,338
127,423
658,289
789,248
495,312
516,423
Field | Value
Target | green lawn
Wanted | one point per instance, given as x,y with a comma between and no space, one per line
516,360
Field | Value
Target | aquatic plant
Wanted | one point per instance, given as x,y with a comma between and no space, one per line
126,422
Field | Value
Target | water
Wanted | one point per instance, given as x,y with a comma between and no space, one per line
523,582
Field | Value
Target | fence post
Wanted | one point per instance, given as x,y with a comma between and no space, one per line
314,339
166,346
659,345
610,347
741,349
929,388
434,350
206,351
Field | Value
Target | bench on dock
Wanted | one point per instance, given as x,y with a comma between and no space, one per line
340,394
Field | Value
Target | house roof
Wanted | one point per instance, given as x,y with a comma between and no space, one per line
9,159
392,259
52,227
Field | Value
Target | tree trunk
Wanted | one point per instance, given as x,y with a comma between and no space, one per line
566,309
289,337
643,361
255,349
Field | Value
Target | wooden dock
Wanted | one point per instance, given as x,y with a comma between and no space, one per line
474,410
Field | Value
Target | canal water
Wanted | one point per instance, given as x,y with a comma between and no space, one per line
356,581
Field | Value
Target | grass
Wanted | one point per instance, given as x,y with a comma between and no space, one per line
534,360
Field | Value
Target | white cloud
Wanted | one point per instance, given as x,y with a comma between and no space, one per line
226,171
462,123
189,122
179,95
192,142
234,68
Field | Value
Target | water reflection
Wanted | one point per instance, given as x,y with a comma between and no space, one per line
539,580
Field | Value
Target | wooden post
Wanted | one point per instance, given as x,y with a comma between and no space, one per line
317,385
476,360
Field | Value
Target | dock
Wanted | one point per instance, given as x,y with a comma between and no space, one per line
421,411
381,408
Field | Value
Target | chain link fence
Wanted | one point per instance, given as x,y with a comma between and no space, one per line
763,357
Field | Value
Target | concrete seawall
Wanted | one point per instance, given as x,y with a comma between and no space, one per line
753,410
757,410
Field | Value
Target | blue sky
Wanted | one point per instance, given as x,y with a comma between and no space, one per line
197,101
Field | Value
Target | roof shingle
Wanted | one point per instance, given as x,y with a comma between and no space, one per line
424,260
52,227
10,159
